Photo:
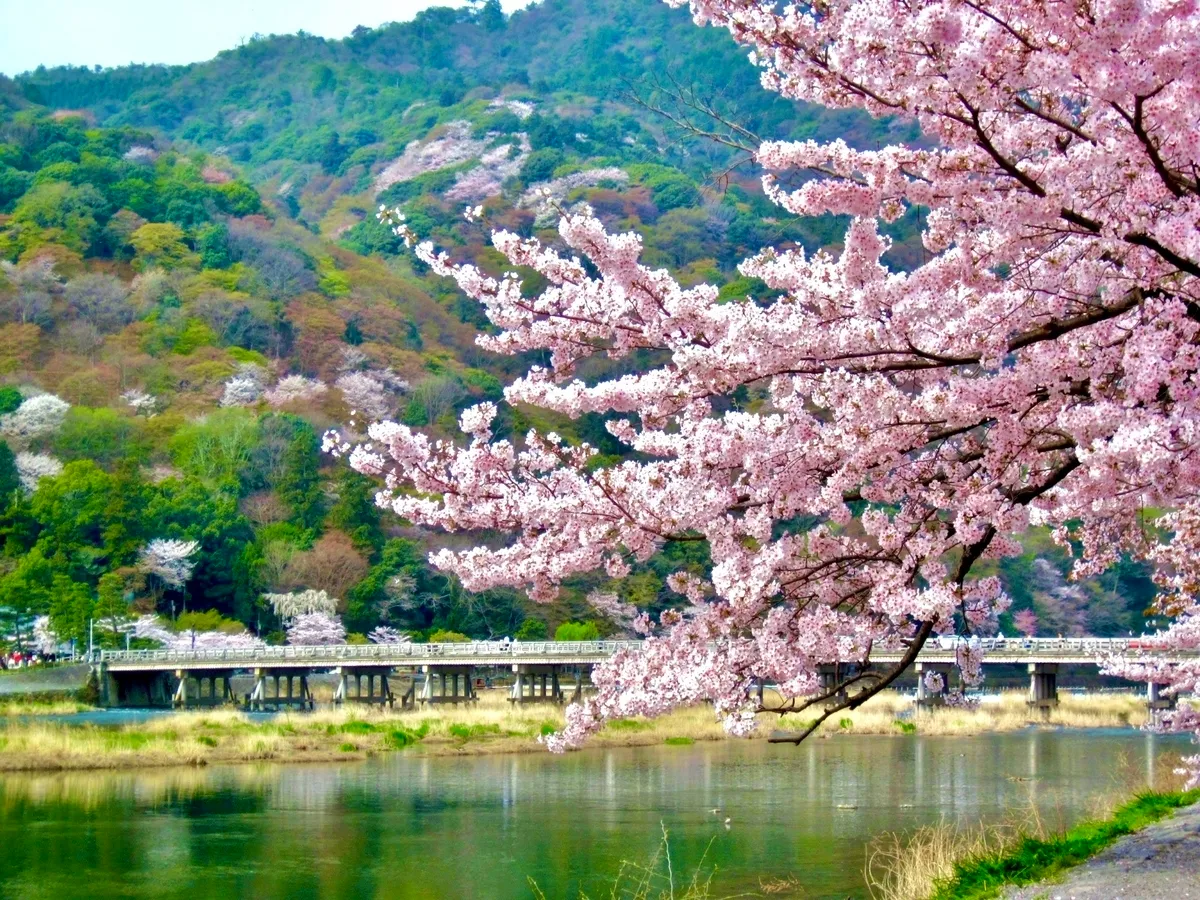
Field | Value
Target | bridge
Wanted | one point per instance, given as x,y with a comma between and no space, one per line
280,674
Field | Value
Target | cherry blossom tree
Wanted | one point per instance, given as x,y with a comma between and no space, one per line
245,386
315,628
33,467
1026,621
140,402
385,634
35,417
365,393
1038,367
155,629
170,564
293,388
301,603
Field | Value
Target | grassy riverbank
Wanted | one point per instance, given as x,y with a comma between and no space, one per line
491,726
952,862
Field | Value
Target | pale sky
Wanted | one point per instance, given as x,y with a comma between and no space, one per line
116,32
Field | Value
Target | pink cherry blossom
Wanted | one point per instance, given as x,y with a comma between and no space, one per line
1039,366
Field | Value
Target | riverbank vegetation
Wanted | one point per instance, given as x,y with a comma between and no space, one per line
951,862
490,726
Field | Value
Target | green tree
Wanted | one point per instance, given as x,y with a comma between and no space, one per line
71,609
102,435
10,481
161,244
577,631
112,607
532,629
356,512
25,593
10,399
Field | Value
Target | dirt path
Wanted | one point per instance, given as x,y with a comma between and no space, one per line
1161,862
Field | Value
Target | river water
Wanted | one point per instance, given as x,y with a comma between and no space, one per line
403,826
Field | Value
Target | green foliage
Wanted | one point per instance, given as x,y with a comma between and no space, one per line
532,630
206,620
102,435
443,636
71,609
10,480
464,733
540,165
577,631
905,727
679,741
1034,860
161,245
10,399
355,511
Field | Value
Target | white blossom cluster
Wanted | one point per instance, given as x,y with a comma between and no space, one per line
44,638
244,387
455,145
385,634
545,197
365,393
35,417
292,388
33,467
140,154
171,561
301,603
140,402
316,628
522,108
495,167
153,628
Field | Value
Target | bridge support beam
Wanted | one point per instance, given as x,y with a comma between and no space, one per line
1158,702
925,697
830,675
151,688
539,684
449,680
383,696
270,694
1043,687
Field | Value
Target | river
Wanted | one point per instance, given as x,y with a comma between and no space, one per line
442,828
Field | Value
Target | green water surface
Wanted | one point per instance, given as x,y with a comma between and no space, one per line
402,826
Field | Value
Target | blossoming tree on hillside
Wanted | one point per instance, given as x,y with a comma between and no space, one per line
1039,366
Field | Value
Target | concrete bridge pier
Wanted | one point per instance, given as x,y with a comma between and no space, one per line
1043,687
134,689
280,688
382,697
449,680
831,675
539,684
926,698
1158,702
220,688
577,694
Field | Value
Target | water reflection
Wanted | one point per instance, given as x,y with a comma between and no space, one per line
411,827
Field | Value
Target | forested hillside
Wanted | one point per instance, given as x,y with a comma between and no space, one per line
195,287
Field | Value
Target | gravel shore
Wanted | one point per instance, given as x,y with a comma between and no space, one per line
1160,862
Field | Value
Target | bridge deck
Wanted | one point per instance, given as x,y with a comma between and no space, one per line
505,653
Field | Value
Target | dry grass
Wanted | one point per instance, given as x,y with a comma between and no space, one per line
910,866
26,707
490,726
1007,711
657,879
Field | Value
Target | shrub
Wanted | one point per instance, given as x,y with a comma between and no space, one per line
532,630
577,631
443,636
